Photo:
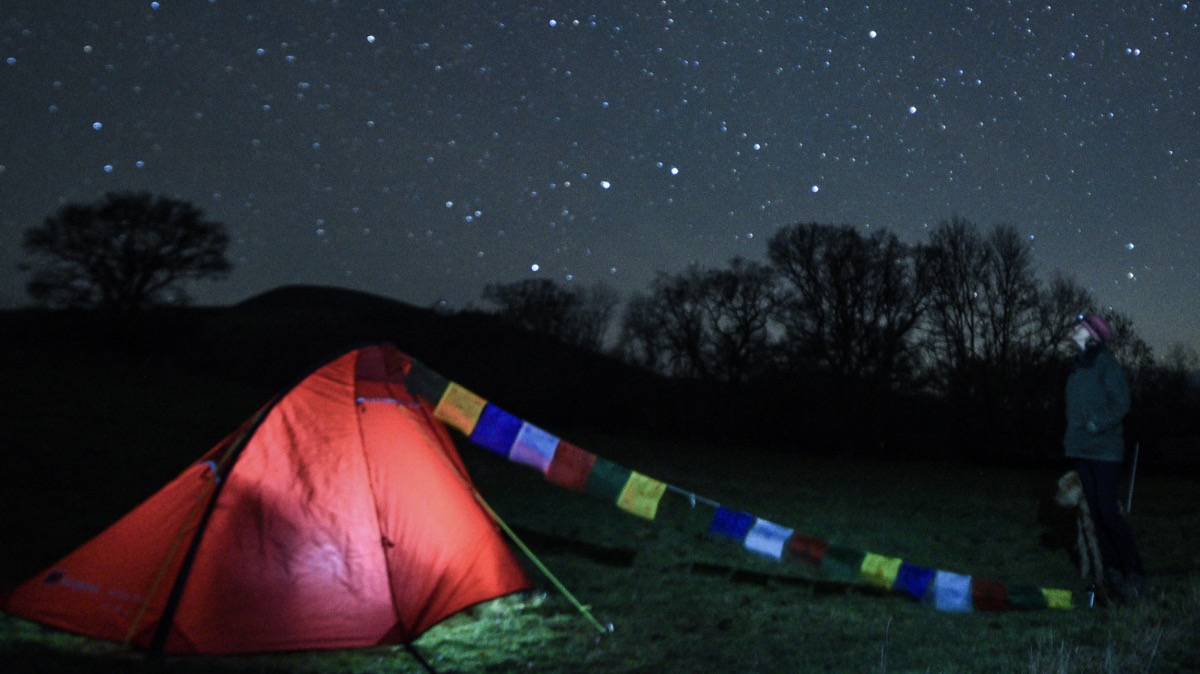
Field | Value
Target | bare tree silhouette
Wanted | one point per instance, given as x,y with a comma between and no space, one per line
577,316
125,253
708,324
852,303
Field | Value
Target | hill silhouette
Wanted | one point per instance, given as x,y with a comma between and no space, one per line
272,340
100,411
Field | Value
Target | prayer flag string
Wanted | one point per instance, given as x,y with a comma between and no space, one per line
577,469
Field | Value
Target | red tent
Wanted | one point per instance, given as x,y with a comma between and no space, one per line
340,515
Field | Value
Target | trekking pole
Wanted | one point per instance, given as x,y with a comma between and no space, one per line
1132,476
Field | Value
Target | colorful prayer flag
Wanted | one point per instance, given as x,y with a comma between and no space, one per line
879,571
570,466
641,495
767,538
913,580
731,523
496,430
576,469
459,408
607,480
1058,598
426,383
841,564
1027,597
807,548
533,447
950,592
989,595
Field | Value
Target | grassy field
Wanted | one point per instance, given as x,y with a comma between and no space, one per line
93,438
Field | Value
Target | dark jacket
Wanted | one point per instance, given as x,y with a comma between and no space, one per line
1097,402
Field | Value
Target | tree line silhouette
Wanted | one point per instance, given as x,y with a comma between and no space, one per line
876,344
961,324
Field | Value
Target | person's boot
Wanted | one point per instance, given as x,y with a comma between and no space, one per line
1115,585
1135,586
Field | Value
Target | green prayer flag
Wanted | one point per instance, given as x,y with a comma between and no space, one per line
842,564
426,383
1026,597
607,480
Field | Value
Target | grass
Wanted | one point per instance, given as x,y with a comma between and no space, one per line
680,601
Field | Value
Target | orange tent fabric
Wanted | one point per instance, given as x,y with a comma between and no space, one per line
339,516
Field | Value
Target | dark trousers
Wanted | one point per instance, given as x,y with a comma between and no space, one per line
1100,482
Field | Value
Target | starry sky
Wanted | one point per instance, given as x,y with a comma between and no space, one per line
421,149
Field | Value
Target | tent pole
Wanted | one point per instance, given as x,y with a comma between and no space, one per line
193,518
541,567
162,630
517,540
188,525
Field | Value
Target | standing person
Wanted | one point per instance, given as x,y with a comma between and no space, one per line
1097,402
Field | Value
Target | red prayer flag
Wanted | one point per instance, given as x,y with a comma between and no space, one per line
989,595
570,466
807,548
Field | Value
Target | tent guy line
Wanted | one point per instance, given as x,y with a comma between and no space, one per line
574,468
692,497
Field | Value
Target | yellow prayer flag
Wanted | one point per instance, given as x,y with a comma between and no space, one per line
879,571
460,408
1058,598
641,495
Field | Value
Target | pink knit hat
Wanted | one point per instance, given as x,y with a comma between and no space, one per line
1097,327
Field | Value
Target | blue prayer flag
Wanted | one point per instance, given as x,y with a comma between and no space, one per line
913,580
496,430
732,523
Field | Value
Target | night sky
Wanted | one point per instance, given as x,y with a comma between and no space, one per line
422,150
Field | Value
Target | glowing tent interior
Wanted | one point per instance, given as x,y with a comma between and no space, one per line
339,515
